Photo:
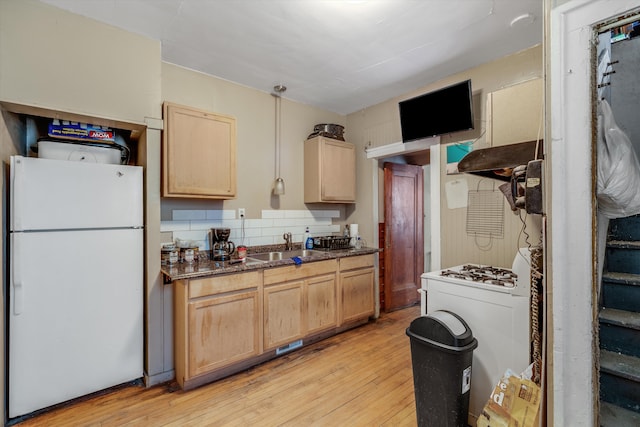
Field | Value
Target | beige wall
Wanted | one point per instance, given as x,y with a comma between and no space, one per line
254,111
61,61
380,125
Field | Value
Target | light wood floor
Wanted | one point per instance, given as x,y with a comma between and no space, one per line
362,377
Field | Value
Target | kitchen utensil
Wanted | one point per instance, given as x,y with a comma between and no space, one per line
328,130
221,247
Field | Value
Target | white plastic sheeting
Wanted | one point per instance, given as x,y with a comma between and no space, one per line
618,186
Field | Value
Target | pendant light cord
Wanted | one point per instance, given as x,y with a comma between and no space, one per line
279,182
277,133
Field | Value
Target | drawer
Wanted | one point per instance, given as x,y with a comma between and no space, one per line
302,271
362,261
221,284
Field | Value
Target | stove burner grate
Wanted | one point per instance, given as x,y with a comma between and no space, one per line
483,274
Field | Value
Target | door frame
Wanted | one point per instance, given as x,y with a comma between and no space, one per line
378,157
571,222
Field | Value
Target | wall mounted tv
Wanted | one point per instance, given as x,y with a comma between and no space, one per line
445,110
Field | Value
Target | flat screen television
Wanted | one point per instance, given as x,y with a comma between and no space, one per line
445,110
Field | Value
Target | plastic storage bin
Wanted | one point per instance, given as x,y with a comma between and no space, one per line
79,152
442,347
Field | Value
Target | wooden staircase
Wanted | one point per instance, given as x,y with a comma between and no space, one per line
619,320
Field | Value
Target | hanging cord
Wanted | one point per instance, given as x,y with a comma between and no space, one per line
539,128
486,247
470,143
523,230
536,270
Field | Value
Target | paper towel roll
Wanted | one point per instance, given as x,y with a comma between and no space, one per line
353,230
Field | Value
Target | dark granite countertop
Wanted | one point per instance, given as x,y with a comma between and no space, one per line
205,267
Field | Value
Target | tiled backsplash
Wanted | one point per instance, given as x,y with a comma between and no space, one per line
268,230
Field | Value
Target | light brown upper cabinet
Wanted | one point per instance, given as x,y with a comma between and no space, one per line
198,154
329,171
515,114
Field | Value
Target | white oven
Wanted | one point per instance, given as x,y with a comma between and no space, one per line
495,304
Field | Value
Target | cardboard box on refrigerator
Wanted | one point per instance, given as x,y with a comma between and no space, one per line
80,131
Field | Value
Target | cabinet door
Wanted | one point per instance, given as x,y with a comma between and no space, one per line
283,311
329,171
199,154
357,294
321,303
338,171
223,330
515,113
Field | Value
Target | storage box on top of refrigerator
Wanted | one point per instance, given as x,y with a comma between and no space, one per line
60,150
75,289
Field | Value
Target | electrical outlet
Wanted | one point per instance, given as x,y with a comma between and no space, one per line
241,212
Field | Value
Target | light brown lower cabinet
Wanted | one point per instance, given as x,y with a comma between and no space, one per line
218,322
356,283
322,310
223,324
299,301
283,306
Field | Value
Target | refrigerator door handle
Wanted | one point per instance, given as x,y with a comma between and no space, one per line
16,272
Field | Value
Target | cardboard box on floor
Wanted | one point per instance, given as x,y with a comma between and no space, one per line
515,401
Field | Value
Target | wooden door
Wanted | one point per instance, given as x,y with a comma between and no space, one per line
404,246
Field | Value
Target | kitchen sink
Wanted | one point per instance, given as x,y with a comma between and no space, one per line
276,256
253,261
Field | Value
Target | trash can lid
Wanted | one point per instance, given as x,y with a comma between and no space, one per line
450,321
443,327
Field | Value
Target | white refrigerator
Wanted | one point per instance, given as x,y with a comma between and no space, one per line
75,291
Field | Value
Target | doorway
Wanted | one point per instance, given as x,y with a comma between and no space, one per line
404,236
570,232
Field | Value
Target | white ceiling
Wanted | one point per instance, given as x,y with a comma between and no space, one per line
338,55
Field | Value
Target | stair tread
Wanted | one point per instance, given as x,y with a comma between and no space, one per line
621,365
625,278
615,416
629,319
630,244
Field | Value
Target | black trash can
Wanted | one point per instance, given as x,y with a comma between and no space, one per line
442,347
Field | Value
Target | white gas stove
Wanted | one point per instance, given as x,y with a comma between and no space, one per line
495,304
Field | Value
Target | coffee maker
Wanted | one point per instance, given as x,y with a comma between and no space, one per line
221,247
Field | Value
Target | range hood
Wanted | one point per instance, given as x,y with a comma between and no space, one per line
498,162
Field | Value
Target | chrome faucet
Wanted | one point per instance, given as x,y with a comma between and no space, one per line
288,244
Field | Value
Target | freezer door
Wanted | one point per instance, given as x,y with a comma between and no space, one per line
75,315
59,194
